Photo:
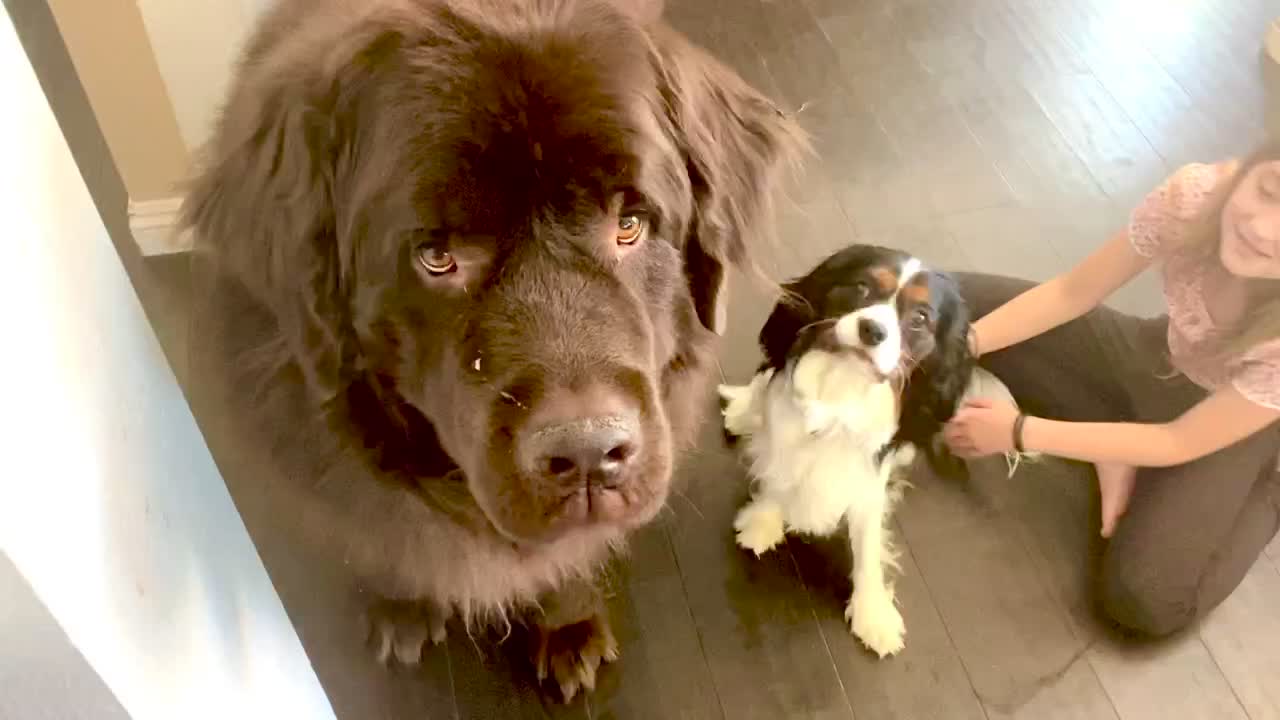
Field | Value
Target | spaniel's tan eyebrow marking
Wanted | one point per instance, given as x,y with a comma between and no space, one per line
917,293
887,279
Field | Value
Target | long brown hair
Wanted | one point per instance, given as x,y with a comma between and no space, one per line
1262,320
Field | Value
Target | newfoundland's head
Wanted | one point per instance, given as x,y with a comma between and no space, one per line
492,236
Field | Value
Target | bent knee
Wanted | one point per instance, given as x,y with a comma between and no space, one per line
1146,607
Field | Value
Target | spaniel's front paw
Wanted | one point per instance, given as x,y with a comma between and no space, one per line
875,619
760,527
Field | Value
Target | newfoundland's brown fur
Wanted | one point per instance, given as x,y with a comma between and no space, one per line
466,259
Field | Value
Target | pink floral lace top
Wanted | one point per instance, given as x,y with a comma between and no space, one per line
1156,229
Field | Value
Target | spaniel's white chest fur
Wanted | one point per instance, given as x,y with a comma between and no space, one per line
813,438
814,435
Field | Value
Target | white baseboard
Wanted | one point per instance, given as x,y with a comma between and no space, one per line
154,226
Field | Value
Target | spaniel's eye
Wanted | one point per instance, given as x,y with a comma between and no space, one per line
919,319
861,290
630,228
435,259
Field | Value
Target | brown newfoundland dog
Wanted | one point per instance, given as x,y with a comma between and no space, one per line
466,258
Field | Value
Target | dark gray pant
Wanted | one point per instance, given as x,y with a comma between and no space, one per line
1191,531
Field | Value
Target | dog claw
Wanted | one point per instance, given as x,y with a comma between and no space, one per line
571,656
875,620
401,630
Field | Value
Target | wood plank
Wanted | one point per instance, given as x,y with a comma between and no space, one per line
1180,129
877,184
1054,505
1115,151
753,615
1055,57
1006,241
1038,243
1212,69
1071,693
1243,635
953,172
662,671
494,679
1027,148
1153,681
1015,640
926,681
930,136
868,43
924,239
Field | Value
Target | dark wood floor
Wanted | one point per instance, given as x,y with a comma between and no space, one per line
1004,135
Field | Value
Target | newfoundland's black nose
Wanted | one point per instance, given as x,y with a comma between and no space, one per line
593,450
591,436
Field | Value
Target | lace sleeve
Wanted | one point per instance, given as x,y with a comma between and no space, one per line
1258,375
1165,215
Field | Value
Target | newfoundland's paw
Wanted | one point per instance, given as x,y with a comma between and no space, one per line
401,629
572,654
875,619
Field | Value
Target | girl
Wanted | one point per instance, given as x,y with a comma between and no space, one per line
1176,413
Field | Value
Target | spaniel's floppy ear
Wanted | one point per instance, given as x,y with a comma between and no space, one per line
944,374
938,384
262,208
735,143
790,316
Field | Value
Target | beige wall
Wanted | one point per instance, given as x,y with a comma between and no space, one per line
113,55
196,43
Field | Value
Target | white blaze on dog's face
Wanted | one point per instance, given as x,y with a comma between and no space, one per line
875,329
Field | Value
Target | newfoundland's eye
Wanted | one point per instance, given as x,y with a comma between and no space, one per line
435,259
630,228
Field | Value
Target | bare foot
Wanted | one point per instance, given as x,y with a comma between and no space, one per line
1115,483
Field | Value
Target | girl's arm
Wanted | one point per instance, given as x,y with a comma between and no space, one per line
1219,420
1064,298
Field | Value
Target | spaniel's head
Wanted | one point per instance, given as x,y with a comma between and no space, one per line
885,309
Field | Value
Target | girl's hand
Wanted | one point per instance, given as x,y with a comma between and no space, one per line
1115,483
981,427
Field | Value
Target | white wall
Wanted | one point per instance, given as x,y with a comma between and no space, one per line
110,505
42,677
196,43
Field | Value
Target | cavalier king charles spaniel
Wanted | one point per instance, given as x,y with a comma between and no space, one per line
866,358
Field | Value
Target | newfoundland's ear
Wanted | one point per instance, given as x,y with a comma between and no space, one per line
735,143
262,207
